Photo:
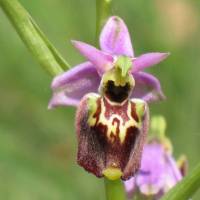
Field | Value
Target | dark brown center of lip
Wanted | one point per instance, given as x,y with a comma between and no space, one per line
117,93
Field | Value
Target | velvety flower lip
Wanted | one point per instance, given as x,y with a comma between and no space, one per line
115,154
114,41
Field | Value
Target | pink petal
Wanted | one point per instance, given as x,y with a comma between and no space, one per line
115,38
101,61
69,87
147,87
148,60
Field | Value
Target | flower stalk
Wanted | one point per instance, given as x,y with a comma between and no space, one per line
34,39
114,189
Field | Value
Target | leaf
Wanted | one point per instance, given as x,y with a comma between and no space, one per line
114,190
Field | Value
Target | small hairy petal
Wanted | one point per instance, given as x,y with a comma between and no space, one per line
115,38
147,87
148,60
101,60
69,87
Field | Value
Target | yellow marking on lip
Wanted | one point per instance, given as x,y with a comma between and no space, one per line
92,106
112,127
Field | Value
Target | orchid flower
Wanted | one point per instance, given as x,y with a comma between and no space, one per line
111,94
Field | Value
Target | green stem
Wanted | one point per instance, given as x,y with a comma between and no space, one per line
102,13
186,188
114,190
34,39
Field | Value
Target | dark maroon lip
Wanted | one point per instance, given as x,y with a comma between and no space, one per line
98,150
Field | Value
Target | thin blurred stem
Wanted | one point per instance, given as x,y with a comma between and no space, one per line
114,190
34,39
186,188
103,8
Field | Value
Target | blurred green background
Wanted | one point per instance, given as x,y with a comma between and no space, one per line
38,146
